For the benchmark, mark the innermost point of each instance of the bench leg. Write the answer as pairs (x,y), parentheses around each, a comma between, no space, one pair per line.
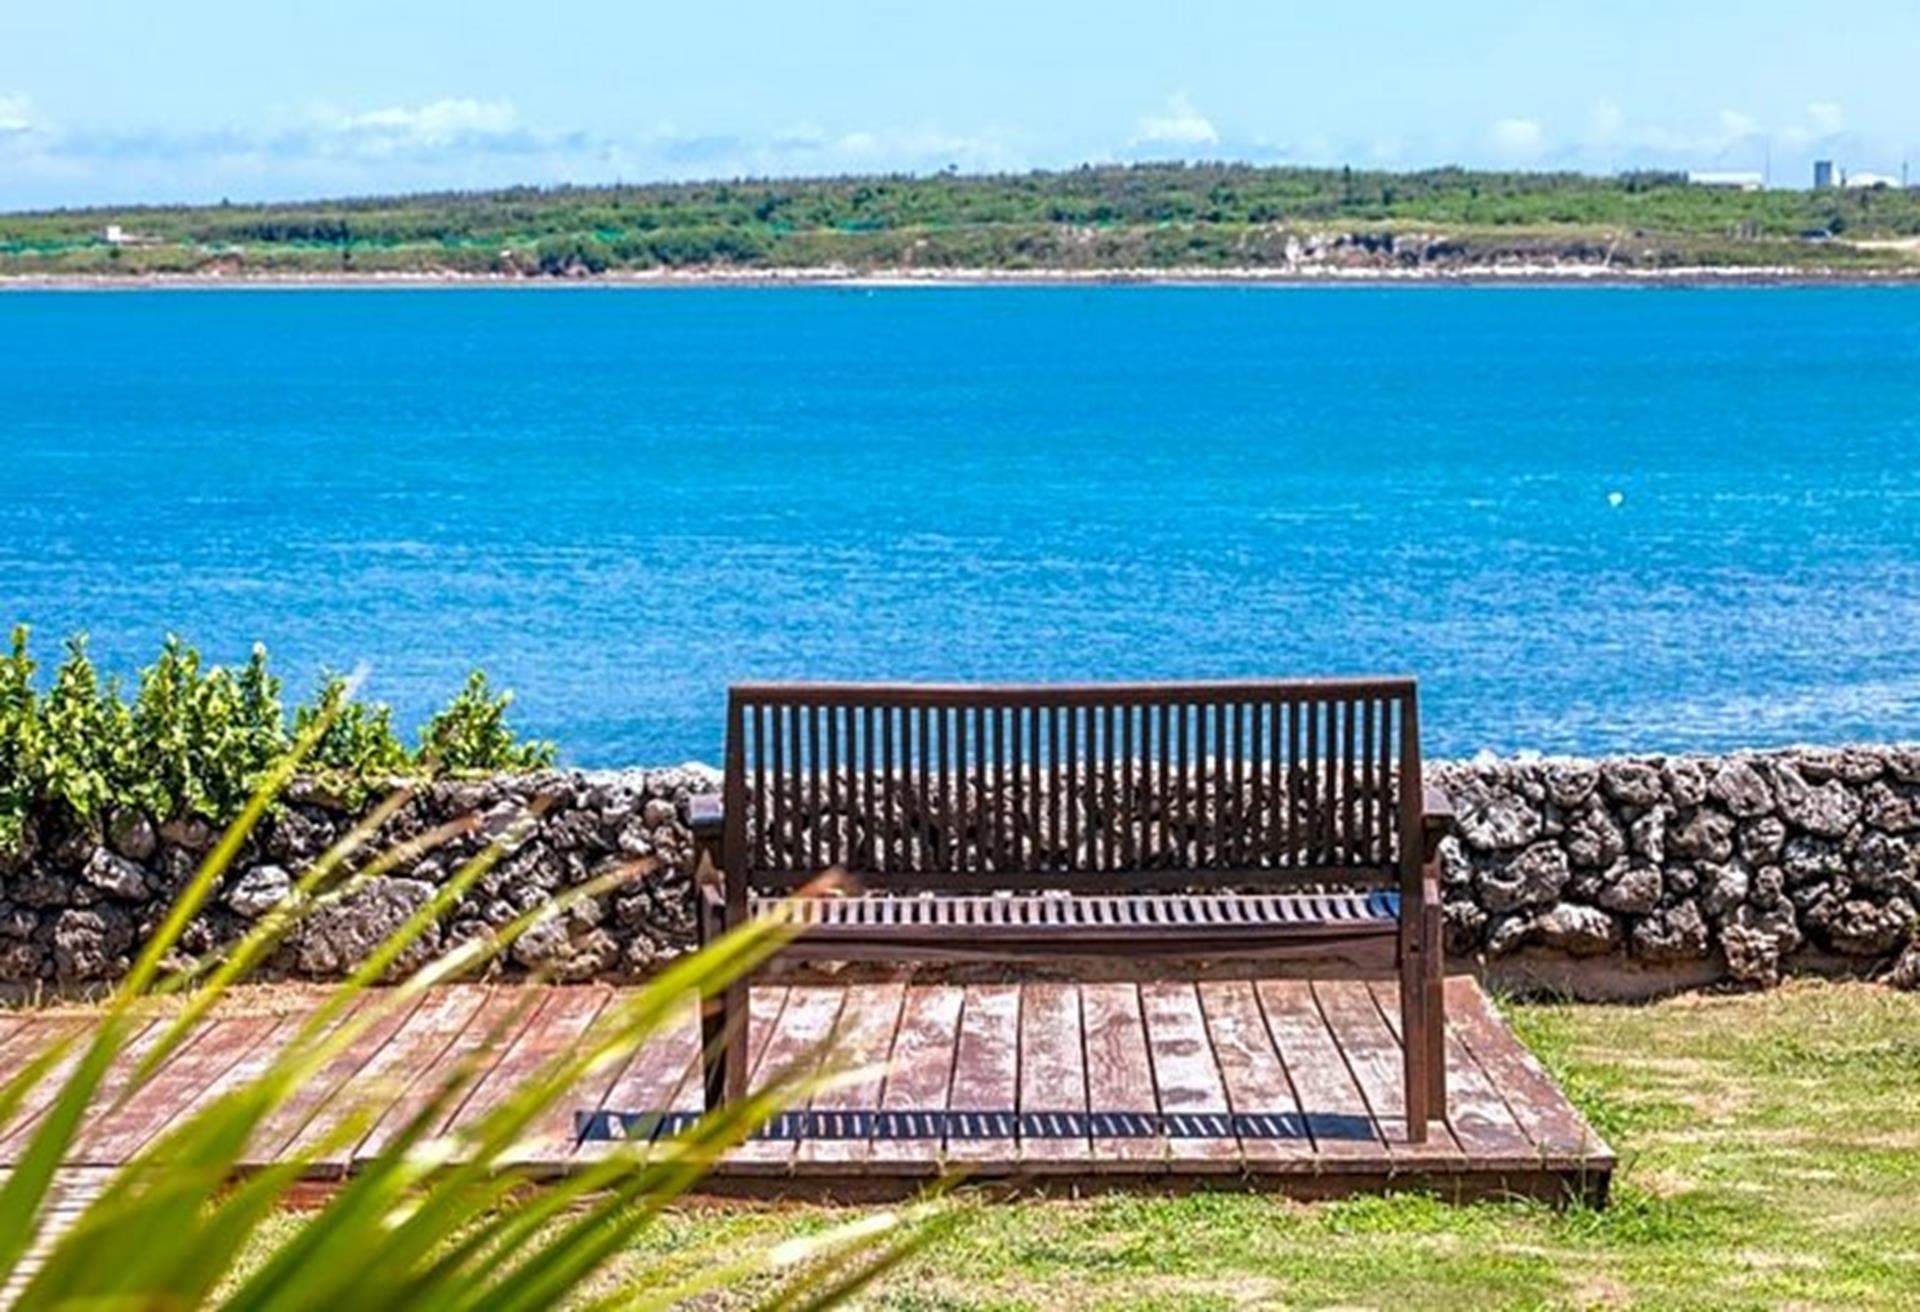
(713,1050)
(1414,1045)
(723,1052)
(1436,1009)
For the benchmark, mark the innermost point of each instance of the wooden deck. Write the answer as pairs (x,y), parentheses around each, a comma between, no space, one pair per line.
(1275,1084)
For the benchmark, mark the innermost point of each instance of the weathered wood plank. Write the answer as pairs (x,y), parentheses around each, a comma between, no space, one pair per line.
(1476,1113)
(1337,1117)
(503,1014)
(922,1070)
(563,1017)
(986,1071)
(1119,1077)
(1559,1133)
(1053,1072)
(114,1136)
(390,1070)
(649,1082)
(1375,1058)
(29,1041)
(1255,1078)
(1186,1076)
(862,1039)
(140,1040)
(795,1048)
(274,1139)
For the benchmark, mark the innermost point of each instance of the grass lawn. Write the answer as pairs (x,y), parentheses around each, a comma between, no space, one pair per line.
(1770,1148)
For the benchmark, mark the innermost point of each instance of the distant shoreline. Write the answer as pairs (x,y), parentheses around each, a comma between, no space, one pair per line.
(1481,276)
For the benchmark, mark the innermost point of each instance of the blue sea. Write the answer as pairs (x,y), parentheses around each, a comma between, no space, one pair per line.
(1588,519)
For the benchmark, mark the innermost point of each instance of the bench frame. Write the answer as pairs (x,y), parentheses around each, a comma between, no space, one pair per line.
(1403,839)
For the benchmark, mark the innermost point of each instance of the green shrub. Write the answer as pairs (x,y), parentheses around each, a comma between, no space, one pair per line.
(471,734)
(19,728)
(356,738)
(85,739)
(197,739)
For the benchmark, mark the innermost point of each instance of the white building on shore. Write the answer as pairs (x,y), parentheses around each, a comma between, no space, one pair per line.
(1730,179)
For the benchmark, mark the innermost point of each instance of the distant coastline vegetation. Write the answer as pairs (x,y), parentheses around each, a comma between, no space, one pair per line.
(1119,217)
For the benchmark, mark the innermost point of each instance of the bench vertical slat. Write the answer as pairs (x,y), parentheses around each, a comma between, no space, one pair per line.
(1348,757)
(1071,802)
(867,848)
(1330,799)
(1292,710)
(980,807)
(777,829)
(943,766)
(1366,848)
(1389,820)
(922,783)
(1002,858)
(835,855)
(810,776)
(1019,823)
(1219,772)
(1127,795)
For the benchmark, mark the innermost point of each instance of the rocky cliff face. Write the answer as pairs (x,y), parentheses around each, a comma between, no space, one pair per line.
(1731,866)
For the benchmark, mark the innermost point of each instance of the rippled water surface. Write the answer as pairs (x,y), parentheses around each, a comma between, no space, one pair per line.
(1588,519)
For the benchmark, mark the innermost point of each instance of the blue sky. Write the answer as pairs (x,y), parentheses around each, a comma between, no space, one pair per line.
(110,101)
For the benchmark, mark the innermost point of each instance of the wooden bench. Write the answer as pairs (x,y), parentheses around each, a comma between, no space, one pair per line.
(1052,822)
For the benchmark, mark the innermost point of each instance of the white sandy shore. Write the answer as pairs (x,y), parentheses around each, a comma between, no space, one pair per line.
(830,276)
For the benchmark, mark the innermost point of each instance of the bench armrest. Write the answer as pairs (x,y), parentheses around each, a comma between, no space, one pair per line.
(704,815)
(1436,819)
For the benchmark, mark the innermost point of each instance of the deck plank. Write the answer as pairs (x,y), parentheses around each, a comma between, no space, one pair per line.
(564,1016)
(279,1133)
(922,1071)
(1119,1076)
(1053,1070)
(1251,1069)
(141,1038)
(1476,1113)
(1186,1075)
(214,1048)
(390,1070)
(1326,1056)
(986,1071)
(1336,1113)
(869,1019)
(1374,1055)
(1560,1134)
(33,1038)
(796,1047)
(650,1081)
(491,1032)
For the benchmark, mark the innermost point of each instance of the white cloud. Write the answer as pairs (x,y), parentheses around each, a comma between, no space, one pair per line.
(1179,124)
(432,126)
(1605,122)
(1734,125)
(1519,140)
(16,114)
(1825,117)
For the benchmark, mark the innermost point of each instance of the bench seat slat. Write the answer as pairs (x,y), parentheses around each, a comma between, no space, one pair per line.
(1233,916)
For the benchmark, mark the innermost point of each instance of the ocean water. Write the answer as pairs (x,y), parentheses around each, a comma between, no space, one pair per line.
(1589,519)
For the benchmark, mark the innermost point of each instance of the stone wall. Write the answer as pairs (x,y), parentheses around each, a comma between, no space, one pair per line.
(1732,866)
(74,906)
(1682,868)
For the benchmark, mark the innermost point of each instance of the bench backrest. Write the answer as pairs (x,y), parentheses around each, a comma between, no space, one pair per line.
(1090,787)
